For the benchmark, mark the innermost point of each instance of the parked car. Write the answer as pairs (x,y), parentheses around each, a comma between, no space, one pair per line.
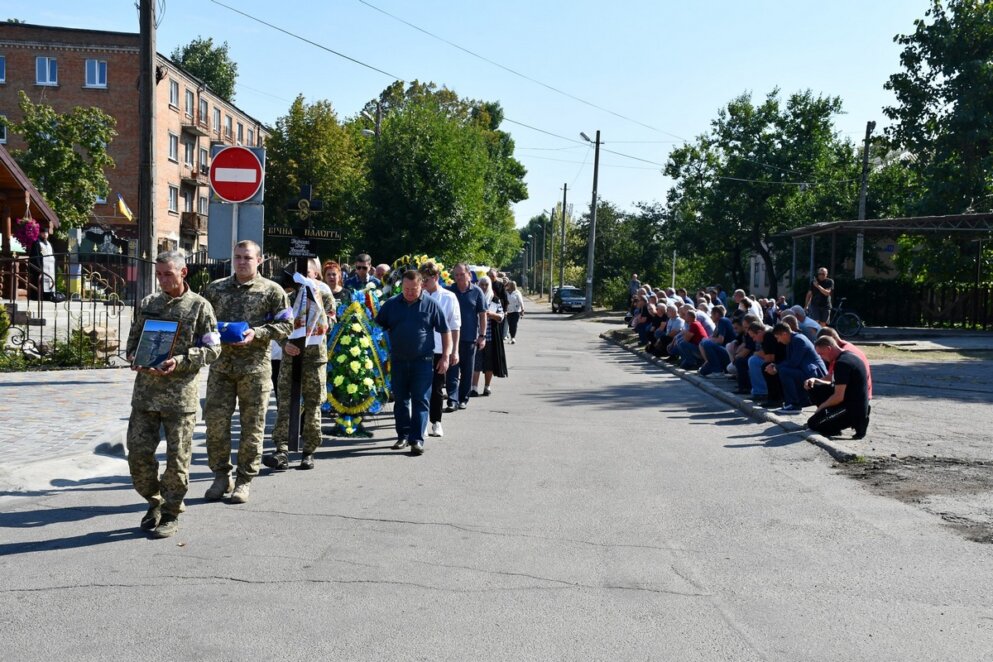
(568,298)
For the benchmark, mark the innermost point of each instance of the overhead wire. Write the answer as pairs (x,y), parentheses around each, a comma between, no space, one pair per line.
(506,119)
(518,73)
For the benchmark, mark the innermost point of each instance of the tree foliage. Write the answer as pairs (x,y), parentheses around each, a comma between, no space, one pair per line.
(310,146)
(211,64)
(65,157)
(442,177)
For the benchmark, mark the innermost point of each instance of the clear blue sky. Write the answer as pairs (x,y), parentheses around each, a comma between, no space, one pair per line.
(668,64)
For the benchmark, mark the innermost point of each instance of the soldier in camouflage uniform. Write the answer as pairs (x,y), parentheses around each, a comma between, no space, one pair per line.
(242,373)
(167,395)
(313,386)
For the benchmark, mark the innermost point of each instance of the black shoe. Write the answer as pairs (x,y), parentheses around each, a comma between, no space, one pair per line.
(450,407)
(307,461)
(278,461)
(151,518)
(417,448)
(400,444)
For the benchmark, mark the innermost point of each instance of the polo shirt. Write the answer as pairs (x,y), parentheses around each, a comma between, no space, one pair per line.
(699,333)
(471,303)
(411,326)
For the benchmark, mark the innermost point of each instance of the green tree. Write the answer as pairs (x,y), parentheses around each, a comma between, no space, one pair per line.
(309,145)
(65,157)
(943,113)
(442,176)
(762,169)
(211,64)
(943,122)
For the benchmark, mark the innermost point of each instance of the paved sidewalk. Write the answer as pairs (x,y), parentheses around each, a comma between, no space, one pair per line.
(62,413)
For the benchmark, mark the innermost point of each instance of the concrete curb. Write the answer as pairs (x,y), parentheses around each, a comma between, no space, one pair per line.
(838,451)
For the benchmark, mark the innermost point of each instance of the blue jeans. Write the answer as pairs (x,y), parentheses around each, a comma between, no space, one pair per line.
(755,368)
(792,380)
(690,355)
(717,357)
(412,393)
(458,380)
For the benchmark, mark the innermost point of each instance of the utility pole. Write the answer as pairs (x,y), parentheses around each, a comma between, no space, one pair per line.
(147,246)
(565,191)
(860,238)
(592,238)
(551,252)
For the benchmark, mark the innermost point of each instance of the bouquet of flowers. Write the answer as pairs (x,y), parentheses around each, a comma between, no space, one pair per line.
(26,231)
(406,262)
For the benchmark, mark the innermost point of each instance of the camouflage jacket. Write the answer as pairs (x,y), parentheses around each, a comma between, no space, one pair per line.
(260,302)
(197,344)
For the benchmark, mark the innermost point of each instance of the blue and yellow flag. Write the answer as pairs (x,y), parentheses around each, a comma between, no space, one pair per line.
(123,208)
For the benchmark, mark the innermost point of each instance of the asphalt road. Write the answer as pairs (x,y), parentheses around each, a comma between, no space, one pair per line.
(593,507)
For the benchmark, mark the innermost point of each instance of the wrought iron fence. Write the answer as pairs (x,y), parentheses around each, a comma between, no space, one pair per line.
(79,313)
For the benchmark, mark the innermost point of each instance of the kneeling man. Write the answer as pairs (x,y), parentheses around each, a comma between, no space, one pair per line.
(843,403)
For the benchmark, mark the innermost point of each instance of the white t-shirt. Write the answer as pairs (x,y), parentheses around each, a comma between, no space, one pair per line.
(515,302)
(453,316)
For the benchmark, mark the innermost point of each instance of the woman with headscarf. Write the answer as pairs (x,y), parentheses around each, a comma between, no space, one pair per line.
(492,361)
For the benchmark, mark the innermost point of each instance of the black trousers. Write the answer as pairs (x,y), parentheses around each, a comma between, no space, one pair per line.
(512,320)
(437,384)
(830,421)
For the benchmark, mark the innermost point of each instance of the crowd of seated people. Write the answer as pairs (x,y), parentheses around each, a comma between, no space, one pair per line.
(773,351)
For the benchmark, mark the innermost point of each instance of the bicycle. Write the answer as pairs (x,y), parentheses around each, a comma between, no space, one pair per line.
(847,323)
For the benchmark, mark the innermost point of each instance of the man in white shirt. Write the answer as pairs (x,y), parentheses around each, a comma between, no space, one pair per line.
(449,304)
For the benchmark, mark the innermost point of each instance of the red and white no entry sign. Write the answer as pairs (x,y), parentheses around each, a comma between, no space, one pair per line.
(235,174)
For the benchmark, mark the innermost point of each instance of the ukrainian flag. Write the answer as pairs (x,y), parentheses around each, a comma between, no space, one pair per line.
(123,208)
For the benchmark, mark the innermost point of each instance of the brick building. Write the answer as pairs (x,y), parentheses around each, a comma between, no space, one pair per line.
(66,67)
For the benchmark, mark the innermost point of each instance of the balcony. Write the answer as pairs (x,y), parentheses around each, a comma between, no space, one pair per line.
(199,125)
(191,176)
(191,222)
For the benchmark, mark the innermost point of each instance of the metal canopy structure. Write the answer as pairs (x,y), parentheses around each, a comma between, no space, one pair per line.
(962,224)
(976,223)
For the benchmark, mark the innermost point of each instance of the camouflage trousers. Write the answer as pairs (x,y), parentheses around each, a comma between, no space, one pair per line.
(143,440)
(251,394)
(314,389)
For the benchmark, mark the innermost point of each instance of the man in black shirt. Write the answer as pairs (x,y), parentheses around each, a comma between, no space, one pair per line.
(818,303)
(845,402)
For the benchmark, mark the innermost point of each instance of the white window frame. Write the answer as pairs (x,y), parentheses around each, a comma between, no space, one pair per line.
(3,68)
(174,93)
(173,147)
(189,102)
(173,199)
(203,205)
(241,133)
(228,126)
(204,162)
(99,66)
(189,152)
(251,137)
(51,66)
(203,112)
(3,132)
(217,121)
(188,197)
(100,200)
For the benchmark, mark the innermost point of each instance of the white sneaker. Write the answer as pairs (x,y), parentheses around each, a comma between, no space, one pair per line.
(436,430)
(513,341)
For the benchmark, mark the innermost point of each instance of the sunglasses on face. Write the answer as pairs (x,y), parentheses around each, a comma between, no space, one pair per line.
(361,268)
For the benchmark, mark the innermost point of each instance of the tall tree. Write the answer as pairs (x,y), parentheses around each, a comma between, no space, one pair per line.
(65,157)
(944,110)
(211,64)
(442,176)
(309,146)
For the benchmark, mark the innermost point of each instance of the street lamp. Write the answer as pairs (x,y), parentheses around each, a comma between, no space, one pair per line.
(592,239)
(524,267)
(531,263)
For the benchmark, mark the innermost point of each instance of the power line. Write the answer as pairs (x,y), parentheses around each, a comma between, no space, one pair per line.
(304,39)
(517,73)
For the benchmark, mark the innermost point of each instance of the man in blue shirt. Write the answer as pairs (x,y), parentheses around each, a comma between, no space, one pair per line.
(361,275)
(472,337)
(801,363)
(411,319)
